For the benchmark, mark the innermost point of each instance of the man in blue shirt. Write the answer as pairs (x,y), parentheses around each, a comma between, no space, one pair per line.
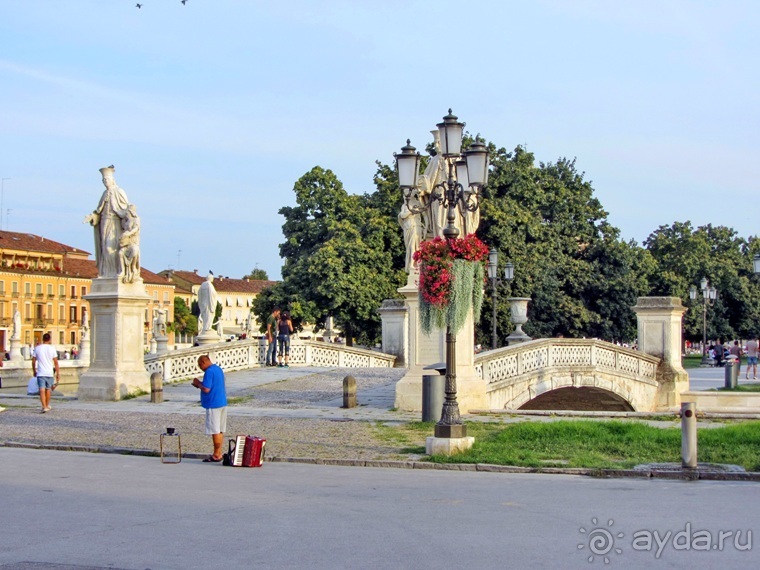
(214,400)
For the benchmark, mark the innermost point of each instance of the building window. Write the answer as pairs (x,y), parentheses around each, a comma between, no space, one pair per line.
(73,291)
(49,314)
(61,336)
(27,311)
(38,289)
(14,286)
(73,314)
(50,289)
(155,295)
(73,337)
(84,292)
(61,313)
(61,291)
(166,296)
(2,288)
(28,289)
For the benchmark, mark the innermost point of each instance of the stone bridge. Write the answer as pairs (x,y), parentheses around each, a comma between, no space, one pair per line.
(569,374)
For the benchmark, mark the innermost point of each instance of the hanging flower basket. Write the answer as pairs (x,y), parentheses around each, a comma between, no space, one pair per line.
(451,281)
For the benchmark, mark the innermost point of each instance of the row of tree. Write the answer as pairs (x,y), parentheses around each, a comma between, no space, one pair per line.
(344,253)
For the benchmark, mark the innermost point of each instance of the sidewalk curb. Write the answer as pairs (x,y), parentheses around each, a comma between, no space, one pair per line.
(683,474)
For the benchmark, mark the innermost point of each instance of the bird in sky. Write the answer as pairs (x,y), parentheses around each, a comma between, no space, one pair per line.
(184,2)
(138,5)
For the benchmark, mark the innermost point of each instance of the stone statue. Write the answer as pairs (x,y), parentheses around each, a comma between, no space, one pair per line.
(434,219)
(16,334)
(219,328)
(106,219)
(129,245)
(207,299)
(85,330)
(248,325)
(159,322)
(412,226)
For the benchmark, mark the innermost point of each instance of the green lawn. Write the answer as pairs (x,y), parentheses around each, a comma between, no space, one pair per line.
(603,444)
(742,388)
(691,361)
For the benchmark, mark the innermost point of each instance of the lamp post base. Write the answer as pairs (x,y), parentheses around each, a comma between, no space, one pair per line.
(450,431)
(447,445)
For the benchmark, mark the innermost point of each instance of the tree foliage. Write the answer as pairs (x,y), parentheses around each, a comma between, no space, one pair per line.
(257,274)
(184,321)
(340,258)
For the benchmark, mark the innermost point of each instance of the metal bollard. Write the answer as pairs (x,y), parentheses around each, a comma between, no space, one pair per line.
(156,388)
(689,435)
(349,392)
(731,375)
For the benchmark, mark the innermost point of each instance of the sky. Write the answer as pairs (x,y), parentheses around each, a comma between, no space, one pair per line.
(212,110)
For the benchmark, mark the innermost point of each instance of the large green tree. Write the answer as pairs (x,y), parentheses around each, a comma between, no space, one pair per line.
(340,258)
(685,255)
(184,321)
(581,277)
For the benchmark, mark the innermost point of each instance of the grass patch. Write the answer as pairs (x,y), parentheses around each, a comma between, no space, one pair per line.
(235,400)
(608,444)
(691,361)
(742,388)
(135,394)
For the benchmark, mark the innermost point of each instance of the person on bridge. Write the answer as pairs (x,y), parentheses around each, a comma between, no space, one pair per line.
(284,328)
(271,335)
(214,400)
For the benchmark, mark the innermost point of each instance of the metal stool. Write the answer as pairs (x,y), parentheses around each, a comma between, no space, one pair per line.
(171,433)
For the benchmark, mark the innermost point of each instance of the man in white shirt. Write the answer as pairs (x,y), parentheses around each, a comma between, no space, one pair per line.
(45,368)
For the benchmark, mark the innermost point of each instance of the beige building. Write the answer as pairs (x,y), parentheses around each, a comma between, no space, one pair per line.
(235,295)
(46,282)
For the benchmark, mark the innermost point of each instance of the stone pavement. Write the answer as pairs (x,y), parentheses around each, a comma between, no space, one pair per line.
(78,511)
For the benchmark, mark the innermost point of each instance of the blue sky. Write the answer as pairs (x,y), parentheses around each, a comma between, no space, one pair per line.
(212,110)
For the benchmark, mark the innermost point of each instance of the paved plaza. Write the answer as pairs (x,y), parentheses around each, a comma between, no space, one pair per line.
(83,510)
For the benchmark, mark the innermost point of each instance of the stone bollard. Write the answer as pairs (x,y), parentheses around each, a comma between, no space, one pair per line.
(689,435)
(156,388)
(349,392)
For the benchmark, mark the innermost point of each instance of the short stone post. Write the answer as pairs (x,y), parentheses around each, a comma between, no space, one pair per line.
(156,388)
(689,435)
(349,392)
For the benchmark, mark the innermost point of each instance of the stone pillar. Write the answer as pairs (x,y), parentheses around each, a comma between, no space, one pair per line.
(84,349)
(424,350)
(117,365)
(660,334)
(393,314)
(162,344)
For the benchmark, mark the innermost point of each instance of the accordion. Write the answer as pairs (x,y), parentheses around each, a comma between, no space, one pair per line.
(246,451)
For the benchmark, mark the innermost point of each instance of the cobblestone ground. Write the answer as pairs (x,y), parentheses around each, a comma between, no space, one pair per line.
(286,437)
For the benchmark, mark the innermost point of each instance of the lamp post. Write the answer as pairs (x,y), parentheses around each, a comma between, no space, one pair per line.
(493,276)
(709,294)
(471,167)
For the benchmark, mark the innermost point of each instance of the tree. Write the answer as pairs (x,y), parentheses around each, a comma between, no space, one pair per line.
(184,321)
(340,258)
(582,279)
(257,274)
(685,255)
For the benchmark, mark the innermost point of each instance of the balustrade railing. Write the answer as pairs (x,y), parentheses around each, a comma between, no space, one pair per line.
(242,354)
(505,364)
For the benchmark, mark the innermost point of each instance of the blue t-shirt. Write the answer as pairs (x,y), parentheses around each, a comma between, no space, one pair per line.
(213,379)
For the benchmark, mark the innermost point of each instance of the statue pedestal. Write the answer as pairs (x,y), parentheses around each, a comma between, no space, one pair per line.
(162,344)
(209,337)
(447,445)
(15,353)
(84,350)
(117,366)
(424,350)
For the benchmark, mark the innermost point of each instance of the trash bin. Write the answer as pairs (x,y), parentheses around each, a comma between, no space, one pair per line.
(433,394)
(731,376)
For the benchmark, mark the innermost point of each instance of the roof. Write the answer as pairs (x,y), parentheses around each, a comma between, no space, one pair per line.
(188,276)
(88,269)
(246,286)
(32,242)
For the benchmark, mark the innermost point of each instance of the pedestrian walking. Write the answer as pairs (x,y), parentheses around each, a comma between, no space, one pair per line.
(752,350)
(214,400)
(45,368)
(737,351)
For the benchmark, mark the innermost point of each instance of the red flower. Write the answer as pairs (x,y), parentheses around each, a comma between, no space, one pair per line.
(435,258)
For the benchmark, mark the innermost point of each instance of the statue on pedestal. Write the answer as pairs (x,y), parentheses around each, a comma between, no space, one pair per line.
(207,299)
(159,323)
(115,218)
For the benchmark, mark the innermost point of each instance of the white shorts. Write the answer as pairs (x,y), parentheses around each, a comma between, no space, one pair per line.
(216,420)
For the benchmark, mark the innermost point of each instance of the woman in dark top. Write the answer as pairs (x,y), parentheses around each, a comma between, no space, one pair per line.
(284,328)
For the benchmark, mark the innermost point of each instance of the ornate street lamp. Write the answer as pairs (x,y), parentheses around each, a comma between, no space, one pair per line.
(709,295)
(466,175)
(493,276)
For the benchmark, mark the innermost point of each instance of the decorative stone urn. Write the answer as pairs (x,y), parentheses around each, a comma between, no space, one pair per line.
(518,306)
